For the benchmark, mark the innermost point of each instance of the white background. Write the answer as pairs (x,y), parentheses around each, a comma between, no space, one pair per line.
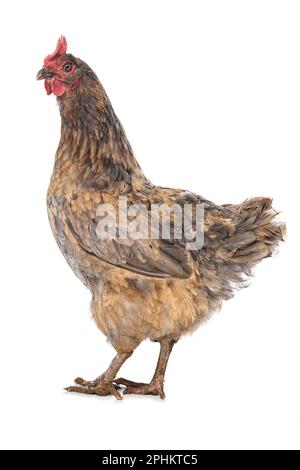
(208,92)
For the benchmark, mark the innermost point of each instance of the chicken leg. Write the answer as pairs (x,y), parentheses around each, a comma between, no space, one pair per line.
(156,386)
(104,384)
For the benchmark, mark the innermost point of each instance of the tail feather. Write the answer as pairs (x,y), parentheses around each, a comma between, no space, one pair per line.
(257,233)
(254,235)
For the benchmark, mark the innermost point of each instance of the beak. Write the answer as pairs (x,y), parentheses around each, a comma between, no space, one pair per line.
(44,73)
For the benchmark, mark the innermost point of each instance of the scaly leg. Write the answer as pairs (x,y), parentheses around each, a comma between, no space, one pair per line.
(156,386)
(103,385)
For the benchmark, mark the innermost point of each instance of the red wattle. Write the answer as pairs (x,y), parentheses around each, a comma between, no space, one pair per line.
(57,87)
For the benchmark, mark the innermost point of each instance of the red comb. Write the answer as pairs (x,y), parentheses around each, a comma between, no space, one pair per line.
(60,50)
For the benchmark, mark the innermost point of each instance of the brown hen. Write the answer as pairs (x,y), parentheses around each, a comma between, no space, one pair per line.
(156,287)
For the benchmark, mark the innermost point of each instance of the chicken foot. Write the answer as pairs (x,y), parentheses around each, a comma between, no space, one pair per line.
(104,384)
(156,386)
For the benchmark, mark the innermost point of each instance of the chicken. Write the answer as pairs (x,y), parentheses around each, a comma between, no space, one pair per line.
(156,287)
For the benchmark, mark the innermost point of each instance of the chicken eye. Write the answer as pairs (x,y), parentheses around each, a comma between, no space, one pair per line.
(67,67)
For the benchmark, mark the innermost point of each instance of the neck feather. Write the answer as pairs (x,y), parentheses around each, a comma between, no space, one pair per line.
(91,133)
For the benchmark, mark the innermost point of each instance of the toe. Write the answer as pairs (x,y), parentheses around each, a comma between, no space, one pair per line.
(79,389)
(116,394)
(102,389)
(80,381)
(128,383)
(154,388)
(87,383)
